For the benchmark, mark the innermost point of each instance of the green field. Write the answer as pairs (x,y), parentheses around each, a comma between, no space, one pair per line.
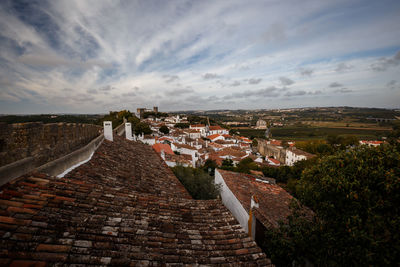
(310,133)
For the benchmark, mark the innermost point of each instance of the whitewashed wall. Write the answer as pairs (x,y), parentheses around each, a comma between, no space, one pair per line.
(231,202)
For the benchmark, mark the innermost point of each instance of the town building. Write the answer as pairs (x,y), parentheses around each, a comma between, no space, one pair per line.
(294,154)
(371,143)
(261,124)
(257,203)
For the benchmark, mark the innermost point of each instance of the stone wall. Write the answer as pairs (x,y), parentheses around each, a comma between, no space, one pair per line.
(44,142)
(268,150)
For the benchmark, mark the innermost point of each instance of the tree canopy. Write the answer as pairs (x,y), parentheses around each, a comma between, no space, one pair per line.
(142,127)
(355,196)
(164,129)
(197,182)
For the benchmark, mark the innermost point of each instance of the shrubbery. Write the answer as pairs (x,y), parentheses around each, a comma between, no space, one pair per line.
(197,182)
(355,198)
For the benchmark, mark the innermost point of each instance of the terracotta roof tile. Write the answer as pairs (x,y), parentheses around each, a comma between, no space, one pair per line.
(123,207)
(217,127)
(167,149)
(273,200)
(213,136)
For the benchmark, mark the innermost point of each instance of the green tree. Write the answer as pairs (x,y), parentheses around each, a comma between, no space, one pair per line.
(245,165)
(133,120)
(142,127)
(355,196)
(227,162)
(254,143)
(164,129)
(124,114)
(209,166)
(181,125)
(334,139)
(198,183)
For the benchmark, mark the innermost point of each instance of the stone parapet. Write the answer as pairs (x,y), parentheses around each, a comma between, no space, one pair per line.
(44,142)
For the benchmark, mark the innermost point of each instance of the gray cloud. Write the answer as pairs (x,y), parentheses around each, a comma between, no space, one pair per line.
(170,78)
(306,72)
(343,90)
(271,91)
(107,88)
(82,98)
(179,92)
(296,93)
(343,67)
(255,81)
(209,76)
(384,63)
(276,32)
(235,83)
(44,59)
(392,84)
(317,92)
(335,84)
(131,93)
(286,81)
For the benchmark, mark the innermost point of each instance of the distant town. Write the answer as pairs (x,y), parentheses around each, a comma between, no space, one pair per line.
(229,186)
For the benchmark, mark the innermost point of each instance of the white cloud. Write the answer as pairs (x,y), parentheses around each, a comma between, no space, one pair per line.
(207,48)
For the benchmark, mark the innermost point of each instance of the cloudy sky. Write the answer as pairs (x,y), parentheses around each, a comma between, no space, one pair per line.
(78,56)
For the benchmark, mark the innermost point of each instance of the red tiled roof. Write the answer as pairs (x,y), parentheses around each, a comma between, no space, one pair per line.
(217,127)
(213,136)
(227,136)
(301,152)
(179,158)
(213,144)
(167,149)
(165,138)
(275,142)
(185,146)
(275,161)
(191,131)
(371,142)
(273,200)
(245,139)
(123,207)
(197,125)
(223,142)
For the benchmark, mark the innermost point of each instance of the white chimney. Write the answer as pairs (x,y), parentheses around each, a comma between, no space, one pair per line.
(108,132)
(128,131)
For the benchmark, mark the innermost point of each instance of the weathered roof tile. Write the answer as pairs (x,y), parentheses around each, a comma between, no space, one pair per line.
(123,207)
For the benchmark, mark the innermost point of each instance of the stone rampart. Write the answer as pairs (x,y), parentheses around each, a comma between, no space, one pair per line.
(269,150)
(43,142)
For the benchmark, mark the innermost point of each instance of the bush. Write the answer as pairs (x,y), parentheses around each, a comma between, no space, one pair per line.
(198,183)
(142,127)
(164,129)
(355,197)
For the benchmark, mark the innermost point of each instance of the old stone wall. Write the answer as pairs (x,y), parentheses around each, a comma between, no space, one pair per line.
(268,150)
(44,142)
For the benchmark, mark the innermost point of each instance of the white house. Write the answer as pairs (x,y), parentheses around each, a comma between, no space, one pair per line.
(187,150)
(217,130)
(215,137)
(147,139)
(293,155)
(199,127)
(192,133)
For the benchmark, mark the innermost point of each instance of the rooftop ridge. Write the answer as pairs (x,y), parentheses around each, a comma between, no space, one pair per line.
(101,213)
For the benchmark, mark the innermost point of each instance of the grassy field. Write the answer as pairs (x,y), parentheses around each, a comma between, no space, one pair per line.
(311,133)
(348,124)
